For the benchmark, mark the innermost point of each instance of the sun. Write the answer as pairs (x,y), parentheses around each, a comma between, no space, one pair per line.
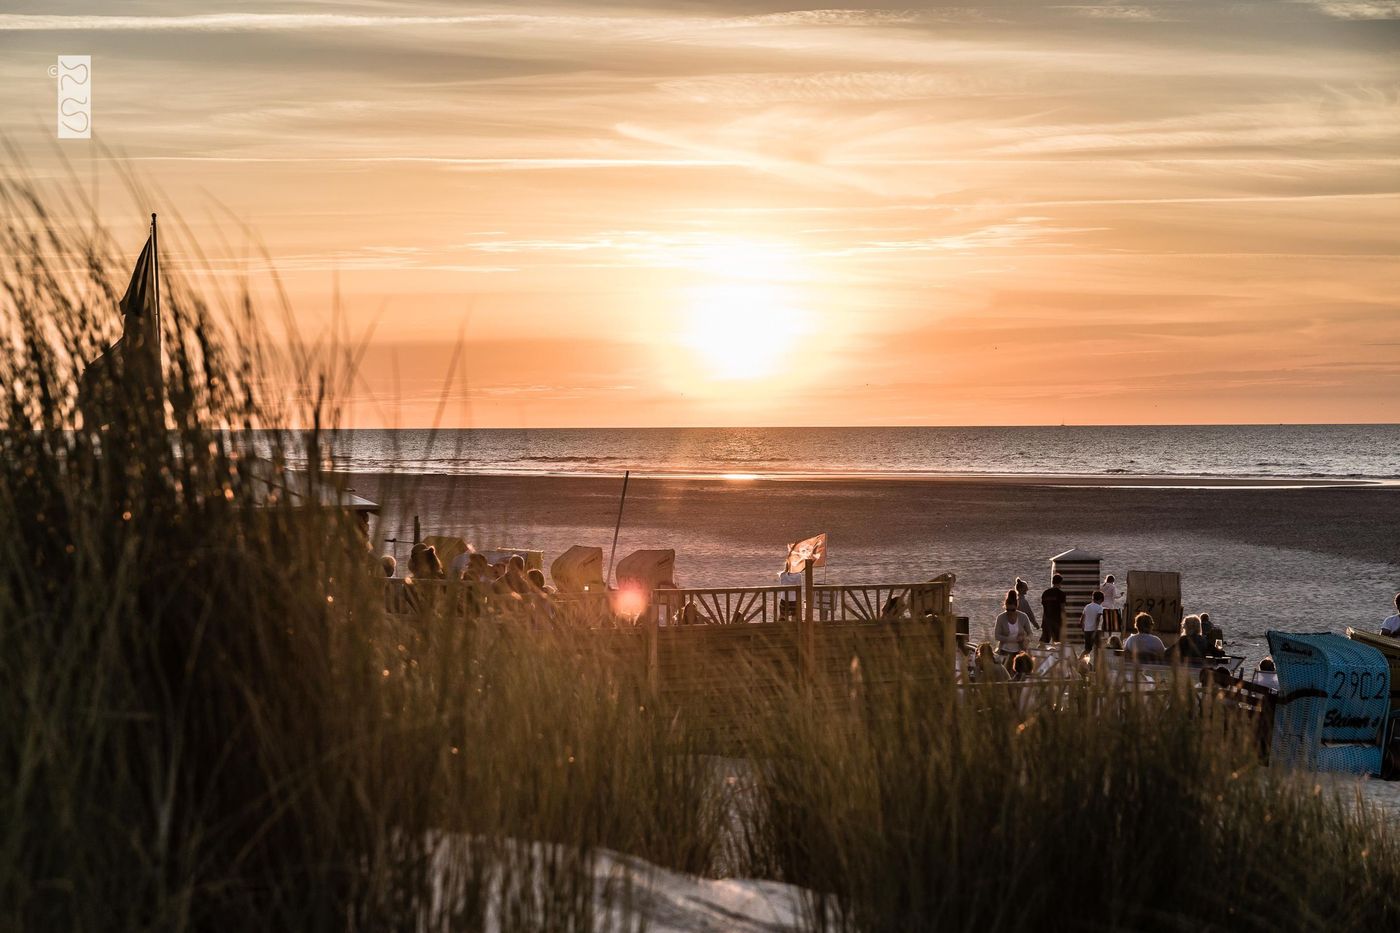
(742,330)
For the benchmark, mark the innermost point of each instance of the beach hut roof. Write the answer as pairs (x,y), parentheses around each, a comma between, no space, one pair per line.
(578,567)
(650,568)
(1077,554)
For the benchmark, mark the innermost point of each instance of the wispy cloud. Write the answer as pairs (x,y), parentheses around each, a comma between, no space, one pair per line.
(637,25)
(1117,11)
(1356,9)
(239,22)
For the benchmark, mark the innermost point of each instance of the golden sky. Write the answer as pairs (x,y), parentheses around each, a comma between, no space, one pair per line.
(710,214)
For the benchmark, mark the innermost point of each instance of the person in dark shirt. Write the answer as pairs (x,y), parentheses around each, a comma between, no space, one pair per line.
(1052,607)
(1214,637)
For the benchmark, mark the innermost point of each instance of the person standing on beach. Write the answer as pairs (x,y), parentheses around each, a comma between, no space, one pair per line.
(1024,604)
(1012,630)
(1391,626)
(1052,609)
(1112,615)
(1092,620)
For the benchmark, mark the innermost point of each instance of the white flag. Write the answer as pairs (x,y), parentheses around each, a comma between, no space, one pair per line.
(812,549)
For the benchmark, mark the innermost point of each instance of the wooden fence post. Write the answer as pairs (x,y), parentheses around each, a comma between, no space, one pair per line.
(807,633)
(653,651)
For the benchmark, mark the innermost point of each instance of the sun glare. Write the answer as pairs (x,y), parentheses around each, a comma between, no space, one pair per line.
(742,330)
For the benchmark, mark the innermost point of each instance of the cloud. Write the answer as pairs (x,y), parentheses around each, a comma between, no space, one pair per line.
(1357,9)
(638,26)
(238,22)
(757,88)
(1119,12)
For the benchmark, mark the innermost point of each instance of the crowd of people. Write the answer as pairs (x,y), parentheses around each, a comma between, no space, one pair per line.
(1007,656)
(508,580)
(1005,659)
(472,567)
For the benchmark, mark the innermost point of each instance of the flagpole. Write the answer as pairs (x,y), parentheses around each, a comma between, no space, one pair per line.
(155,257)
(618,528)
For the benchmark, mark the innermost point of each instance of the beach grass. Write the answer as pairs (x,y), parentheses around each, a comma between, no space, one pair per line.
(1056,806)
(212,723)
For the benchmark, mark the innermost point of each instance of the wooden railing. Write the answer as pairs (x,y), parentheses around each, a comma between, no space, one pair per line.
(882,602)
(740,605)
(831,602)
(726,606)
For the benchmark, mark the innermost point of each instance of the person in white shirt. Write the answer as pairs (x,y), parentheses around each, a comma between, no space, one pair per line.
(1012,630)
(1112,614)
(1145,647)
(1090,619)
(1391,626)
(1267,674)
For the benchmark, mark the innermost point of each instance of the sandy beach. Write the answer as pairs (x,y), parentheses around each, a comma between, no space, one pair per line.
(1272,555)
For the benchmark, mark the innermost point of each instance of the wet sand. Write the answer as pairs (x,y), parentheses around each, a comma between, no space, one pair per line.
(1295,555)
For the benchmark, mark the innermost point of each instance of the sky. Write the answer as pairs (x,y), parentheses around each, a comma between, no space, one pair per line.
(1170,211)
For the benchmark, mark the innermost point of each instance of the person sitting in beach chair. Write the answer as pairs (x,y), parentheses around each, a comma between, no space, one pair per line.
(891,611)
(1143,646)
(1391,626)
(1012,630)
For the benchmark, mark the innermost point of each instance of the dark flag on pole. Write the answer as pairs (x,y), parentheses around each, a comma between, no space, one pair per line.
(125,384)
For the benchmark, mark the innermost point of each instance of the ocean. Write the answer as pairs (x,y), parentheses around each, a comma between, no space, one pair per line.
(1304,451)
(1300,558)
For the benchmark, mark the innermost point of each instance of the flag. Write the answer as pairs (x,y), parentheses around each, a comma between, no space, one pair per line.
(812,549)
(125,382)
